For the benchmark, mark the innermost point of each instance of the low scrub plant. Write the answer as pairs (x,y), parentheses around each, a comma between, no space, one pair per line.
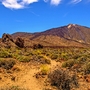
(7,64)
(86,68)
(54,56)
(13,88)
(82,60)
(63,79)
(68,63)
(47,61)
(23,58)
(64,56)
(44,69)
(5,54)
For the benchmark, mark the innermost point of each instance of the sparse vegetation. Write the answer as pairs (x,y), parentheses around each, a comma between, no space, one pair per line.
(47,61)
(54,56)
(44,69)
(13,88)
(7,64)
(5,54)
(73,61)
(68,63)
(37,46)
(63,79)
(23,58)
(56,59)
(87,68)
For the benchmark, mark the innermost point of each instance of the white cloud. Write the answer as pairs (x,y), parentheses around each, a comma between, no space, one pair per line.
(29,1)
(12,4)
(75,1)
(55,2)
(17,4)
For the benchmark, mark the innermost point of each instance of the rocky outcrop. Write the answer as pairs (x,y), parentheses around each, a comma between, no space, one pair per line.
(19,42)
(7,38)
(8,41)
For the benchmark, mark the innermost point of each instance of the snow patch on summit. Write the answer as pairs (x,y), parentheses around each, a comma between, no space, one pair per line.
(70,25)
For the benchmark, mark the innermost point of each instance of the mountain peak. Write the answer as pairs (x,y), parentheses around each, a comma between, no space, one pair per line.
(70,35)
(71,25)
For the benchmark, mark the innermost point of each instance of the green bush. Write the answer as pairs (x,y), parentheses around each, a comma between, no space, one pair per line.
(76,56)
(23,58)
(82,59)
(54,56)
(14,55)
(64,56)
(5,54)
(68,63)
(87,68)
(44,69)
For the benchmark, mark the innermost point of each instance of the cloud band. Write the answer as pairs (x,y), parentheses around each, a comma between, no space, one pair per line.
(17,4)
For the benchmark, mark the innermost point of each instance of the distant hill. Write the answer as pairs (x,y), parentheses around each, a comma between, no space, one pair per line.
(70,35)
(21,34)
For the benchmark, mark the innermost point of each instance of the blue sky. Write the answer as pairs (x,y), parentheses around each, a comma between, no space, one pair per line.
(40,15)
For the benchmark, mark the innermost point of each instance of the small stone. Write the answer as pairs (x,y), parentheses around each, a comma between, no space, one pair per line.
(13,78)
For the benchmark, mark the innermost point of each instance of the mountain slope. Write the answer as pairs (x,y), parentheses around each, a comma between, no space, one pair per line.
(70,35)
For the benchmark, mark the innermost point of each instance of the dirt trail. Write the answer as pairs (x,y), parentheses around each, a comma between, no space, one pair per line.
(28,80)
(53,62)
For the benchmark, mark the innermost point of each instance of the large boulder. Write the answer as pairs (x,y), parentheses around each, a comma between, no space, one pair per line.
(19,42)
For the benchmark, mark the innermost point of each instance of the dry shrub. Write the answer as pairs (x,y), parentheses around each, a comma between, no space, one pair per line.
(5,54)
(47,61)
(86,68)
(23,58)
(7,64)
(54,56)
(63,79)
(12,88)
(37,46)
(68,63)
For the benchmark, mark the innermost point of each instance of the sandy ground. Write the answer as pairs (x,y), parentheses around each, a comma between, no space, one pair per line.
(25,77)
